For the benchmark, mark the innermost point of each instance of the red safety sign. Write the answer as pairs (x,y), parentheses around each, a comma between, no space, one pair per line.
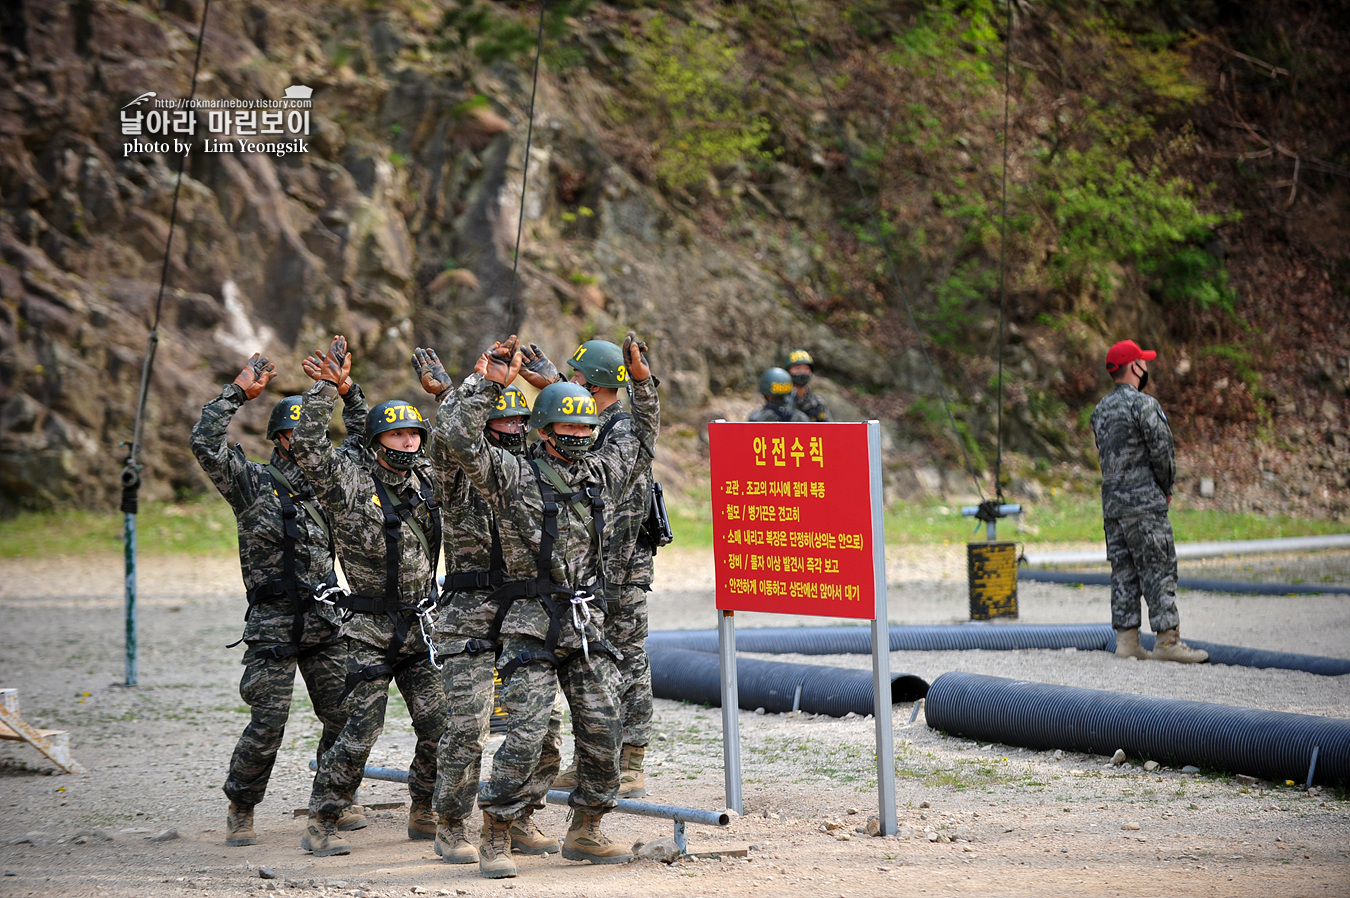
(792,518)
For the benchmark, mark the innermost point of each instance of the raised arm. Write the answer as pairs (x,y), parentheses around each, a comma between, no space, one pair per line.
(227,467)
(311,446)
(459,428)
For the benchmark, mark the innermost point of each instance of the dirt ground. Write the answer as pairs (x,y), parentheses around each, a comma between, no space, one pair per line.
(975,819)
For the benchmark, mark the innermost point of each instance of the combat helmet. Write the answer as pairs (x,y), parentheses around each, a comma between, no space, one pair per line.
(799,357)
(601,363)
(775,384)
(284,416)
(395,414)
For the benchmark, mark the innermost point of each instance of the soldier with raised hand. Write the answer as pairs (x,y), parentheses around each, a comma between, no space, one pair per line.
(386,524)
(1134,445)
(550,507)
(775,385)
(800,366)
(465,642)
(286,557)
(598,366)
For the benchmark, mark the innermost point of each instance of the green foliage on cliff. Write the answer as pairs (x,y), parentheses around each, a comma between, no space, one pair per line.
(686,82)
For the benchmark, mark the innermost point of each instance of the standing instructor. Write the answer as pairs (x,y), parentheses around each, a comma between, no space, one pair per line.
(1134,444)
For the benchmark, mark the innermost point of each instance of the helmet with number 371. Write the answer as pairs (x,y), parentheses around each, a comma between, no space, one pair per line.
(601,363)
(285,415)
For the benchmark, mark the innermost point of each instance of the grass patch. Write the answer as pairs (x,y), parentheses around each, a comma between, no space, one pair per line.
(199,527)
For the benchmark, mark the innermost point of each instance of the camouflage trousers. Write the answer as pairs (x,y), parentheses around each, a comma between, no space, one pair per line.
(591,688)
(343,765)
(266,688)
(468,681)
(626,631)
(1143,562)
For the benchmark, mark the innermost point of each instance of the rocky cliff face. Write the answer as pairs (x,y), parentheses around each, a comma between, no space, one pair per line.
(396,226)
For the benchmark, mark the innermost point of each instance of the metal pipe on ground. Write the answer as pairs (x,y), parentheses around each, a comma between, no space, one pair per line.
(1272,745)
(1083,578)
(844,640)
(775,686)
(556,796)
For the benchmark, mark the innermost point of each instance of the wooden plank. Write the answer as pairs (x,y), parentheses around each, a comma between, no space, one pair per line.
(55,744)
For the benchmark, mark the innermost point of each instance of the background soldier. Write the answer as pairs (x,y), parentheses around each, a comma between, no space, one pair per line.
(1138,463)
(286,555)
(465,637)
(598,366)
(547,506)
(386,524)
(775,385)
(800,366)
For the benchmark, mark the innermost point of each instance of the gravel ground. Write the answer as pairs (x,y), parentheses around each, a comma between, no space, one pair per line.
(988,819)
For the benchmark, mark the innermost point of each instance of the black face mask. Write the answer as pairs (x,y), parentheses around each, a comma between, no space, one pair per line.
(801,380)
(573,448)
(397,458)
(1143,380)
(511,442)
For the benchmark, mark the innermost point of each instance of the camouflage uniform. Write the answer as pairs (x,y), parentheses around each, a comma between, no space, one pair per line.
(591,686)
(270,628)
(1138,463)
(347,489)
(812,406)
(463,629)
(628,571)
(779,411)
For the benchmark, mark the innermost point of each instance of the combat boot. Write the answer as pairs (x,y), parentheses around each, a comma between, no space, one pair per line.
(421,821)
(528,838)
(452,842)
(239,826)
(567,780)
(321,837)
(587,842)
(632,781)
(1127,645)
(353,817)
(1170,648)
(494,848)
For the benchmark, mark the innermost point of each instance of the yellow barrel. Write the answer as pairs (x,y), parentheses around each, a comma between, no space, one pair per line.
(992,569)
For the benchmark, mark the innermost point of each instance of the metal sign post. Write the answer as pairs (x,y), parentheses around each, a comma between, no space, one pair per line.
(731,721)
(797,529)
(881,646)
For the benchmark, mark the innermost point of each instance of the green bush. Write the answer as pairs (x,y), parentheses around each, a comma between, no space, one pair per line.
(687,92)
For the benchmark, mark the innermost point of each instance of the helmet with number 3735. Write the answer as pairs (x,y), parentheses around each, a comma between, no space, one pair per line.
(394,415)
(285,415)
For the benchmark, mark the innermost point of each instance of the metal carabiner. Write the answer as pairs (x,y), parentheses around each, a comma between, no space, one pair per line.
(324,596)
(426,614)
(580,619)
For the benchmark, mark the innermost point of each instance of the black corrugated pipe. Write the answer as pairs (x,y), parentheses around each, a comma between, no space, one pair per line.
(845,640)
(1080,578)
(773,685)
(1273,745)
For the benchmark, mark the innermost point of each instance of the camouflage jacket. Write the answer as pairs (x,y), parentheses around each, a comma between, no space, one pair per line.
(469,522)
(626,562)
(779,411)
(812,406)
(345,484)
(248,488)
(508,483)
(1134,444)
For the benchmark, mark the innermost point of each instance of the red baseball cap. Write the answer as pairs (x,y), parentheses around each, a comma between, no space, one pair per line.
(1124,352)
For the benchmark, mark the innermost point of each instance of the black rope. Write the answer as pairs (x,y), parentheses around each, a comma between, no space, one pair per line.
(1003,253)
(131,474)
(525,174)
(881,242)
